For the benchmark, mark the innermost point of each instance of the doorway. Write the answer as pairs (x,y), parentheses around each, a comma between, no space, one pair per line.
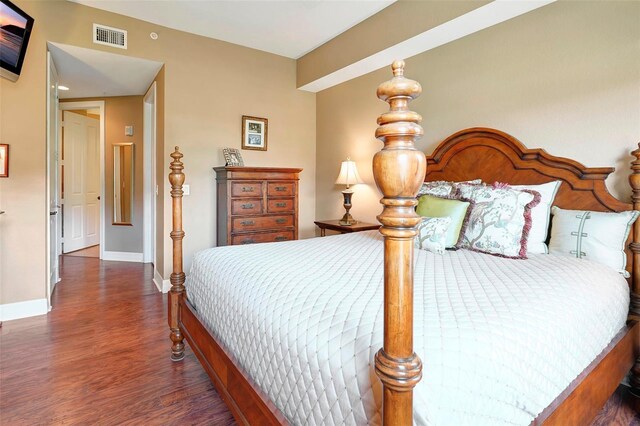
(81,176)
(106,113)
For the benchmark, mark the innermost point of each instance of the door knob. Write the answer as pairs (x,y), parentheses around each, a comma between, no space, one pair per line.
(98,197)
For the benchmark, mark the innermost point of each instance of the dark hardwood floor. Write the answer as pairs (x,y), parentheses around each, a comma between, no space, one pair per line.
(101,357)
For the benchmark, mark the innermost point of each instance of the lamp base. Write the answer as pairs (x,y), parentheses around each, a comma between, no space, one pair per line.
(347,220)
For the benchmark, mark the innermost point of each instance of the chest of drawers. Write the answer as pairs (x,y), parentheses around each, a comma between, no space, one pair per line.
(256,204)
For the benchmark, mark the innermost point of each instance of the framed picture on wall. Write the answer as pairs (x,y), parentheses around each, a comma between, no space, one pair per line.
(255,131)
(232,157)
(4,160)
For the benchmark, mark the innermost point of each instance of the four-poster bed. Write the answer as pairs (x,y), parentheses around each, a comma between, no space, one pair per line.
(399,170)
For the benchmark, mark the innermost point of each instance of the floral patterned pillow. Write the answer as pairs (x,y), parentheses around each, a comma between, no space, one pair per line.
(432,232)
(500,220)
(442,188)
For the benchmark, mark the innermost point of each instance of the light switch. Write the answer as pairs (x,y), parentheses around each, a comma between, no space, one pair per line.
(128,130)
(186,189)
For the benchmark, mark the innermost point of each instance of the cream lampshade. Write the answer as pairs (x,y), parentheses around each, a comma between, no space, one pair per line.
(348,176)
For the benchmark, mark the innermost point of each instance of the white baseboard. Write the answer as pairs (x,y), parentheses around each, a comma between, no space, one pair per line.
(122,256)
(163,285)
(29,308)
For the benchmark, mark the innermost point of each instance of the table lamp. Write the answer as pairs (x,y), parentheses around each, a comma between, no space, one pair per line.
(348,176)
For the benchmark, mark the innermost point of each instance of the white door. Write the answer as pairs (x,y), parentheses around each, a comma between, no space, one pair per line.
(52,165)
(81,181)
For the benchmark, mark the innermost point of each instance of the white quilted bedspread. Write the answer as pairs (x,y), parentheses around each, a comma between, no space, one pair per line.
(499,338)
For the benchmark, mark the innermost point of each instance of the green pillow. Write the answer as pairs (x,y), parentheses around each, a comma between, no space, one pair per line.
(430,206)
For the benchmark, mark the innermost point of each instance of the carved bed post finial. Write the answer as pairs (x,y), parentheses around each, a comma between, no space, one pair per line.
(399,170)
(176,178)
(634,308)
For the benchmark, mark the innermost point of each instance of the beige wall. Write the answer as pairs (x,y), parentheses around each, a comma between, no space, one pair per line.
(379,32)
(565,78)
(209,85)
(122,111)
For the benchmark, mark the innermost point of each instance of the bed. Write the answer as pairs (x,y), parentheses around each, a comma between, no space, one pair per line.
(267,363)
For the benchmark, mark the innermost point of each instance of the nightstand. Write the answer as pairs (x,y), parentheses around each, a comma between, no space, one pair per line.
(334,225)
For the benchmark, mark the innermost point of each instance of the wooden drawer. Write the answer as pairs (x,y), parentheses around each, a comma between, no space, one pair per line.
(266,237)
(279,206)
(246,189)
(240,224)
(246,206)
(280,189)
(256,204)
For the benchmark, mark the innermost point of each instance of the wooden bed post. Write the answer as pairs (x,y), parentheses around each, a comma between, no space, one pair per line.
(634,180)
(399,170)
(176,178)
(634,308)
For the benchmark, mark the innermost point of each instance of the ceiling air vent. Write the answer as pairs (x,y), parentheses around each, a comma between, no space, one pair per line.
(109,36)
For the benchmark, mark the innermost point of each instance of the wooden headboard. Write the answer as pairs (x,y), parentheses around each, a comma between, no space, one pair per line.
(495,156)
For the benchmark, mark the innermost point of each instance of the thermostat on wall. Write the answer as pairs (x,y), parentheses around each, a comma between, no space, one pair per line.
(128,130)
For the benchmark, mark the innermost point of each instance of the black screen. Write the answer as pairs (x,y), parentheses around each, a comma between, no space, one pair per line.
(15,29)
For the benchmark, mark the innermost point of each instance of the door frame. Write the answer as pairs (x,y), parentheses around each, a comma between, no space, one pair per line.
(52,121)
(64,106)
(149,176)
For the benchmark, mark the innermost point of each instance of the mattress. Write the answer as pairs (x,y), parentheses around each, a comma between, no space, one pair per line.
(499,338)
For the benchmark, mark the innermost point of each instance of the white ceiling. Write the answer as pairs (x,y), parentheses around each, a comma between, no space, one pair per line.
(288,28)
(92,73)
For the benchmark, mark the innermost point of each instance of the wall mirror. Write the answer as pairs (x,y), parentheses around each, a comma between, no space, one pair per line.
(123,168)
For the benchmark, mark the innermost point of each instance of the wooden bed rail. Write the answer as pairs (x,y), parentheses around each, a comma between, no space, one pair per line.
(176,178)
(399,170)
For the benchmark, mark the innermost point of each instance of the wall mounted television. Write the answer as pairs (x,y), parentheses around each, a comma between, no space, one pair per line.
(15,30)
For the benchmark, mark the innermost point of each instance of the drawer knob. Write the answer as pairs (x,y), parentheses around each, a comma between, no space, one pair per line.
(247,189)
(281,204)
(280,221)
(247,242)
(247,223)
(281,238)
(281,188)
(247,206)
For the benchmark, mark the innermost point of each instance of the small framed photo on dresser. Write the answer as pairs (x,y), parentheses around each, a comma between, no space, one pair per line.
(255,131)
(232,157)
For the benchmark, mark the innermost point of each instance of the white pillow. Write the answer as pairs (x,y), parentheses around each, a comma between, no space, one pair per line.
(597,236)
(432,232)
(540,215)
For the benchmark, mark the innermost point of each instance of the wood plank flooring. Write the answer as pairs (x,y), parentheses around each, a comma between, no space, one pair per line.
(93,251)
(101,357)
